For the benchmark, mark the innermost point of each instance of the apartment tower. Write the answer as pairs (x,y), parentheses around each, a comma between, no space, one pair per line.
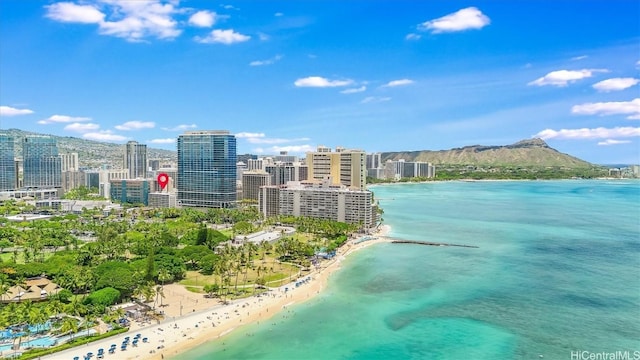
(207,169)
(135,160)
(42,167)
(7,163)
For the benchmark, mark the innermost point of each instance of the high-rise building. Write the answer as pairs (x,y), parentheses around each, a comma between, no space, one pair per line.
(344,167)
(42,167)
(69,162)
(319,200)
(130,191)
(374,161)
(7,163)
(207,169)
(135,160)
(282,173)
(251,183)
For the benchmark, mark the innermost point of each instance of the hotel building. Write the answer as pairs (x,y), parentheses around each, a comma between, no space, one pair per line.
(135,160)
(207,169)
(345,167)
(8,173)
(42,167)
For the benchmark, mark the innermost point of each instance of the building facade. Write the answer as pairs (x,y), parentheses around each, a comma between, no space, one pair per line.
(8,167)
(42,167)
(325,201)
(344,166)
(251,183)
(133,191)
(69,162)
(135,160)
(207,169)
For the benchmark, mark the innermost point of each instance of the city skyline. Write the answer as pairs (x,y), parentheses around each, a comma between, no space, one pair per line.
(376,76)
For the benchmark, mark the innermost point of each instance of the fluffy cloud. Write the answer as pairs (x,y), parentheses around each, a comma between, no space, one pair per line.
(564,77)
(613,142)
(10,111)
(63,119)
(374,99)
(203,18)
(226,37)
(81,127)
(464,19)
(70,12)
(136,125)
(182,127)
(162,141)
(265,62)
(400,82)
(413,36)
(615,84)
(105,135)
(630,108)
(354,90)
(318,81)
(130,20)
(585,133)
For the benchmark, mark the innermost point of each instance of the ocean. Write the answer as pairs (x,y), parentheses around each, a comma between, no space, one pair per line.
(556,275)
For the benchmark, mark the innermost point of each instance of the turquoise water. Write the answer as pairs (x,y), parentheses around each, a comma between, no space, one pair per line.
(557,270)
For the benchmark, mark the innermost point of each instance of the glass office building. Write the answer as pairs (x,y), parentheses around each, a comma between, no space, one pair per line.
(207,169)
(135,160)
(42,167)
(7,163)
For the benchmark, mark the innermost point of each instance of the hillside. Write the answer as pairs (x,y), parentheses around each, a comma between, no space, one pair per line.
(525,153)
(90,153)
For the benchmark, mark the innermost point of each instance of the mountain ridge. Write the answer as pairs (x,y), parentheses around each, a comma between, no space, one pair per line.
(528,152)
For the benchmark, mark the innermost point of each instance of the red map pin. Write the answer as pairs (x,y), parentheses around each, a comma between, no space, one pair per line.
(163,180)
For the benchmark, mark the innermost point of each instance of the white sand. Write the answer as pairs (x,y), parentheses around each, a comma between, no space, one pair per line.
(176,334)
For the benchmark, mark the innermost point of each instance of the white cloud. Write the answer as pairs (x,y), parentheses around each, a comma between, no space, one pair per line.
(73,13)
(278,14)
(230,7)
(105,135)
(226,37)
(464,19)
(63,119)
(413,36)
(581,57)
(248,135)
(265,62)
(263,37)
(374,99)
(203,18)
(585,133)
(81,127)
(615,84)
(631,108)
(318,81)
(162,141)
(182,127)
(10,111)
(613,142)
(130,20)
(564,77)
(638,64)
(354,90)
(136,125)
(400,82)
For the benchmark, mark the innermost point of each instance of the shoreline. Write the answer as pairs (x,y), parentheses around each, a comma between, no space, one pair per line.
(178,334)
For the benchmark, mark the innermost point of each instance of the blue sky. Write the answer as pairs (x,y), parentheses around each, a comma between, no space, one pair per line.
(291,75)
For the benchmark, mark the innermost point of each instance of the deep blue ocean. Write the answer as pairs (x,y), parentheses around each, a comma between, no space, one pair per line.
(557,269)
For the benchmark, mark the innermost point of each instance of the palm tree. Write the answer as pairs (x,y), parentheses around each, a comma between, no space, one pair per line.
(69,325)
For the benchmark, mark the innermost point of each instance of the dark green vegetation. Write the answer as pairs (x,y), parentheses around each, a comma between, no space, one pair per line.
(101,259)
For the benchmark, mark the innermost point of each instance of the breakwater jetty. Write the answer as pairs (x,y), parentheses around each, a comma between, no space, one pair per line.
(429,243)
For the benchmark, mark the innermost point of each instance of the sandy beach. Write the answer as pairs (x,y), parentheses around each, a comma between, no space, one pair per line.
(205,319)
